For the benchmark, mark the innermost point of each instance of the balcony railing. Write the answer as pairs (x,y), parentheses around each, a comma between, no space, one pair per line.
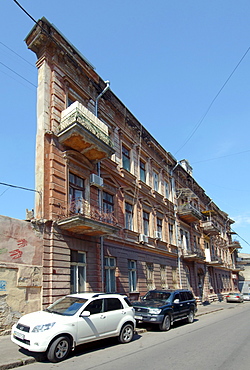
(83,131)
(235,244)
(193,254)
(81,217)
(210,228)
(189,213)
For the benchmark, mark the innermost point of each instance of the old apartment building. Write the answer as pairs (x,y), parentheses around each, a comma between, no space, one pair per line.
(117,212)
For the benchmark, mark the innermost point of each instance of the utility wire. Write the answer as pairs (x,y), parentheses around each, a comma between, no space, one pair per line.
(212,102)
(223,156)
(48,34)
(241,237)
(25,79)
(19,187)
(7,47)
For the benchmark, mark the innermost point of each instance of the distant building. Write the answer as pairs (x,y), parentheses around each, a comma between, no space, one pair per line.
(243,262)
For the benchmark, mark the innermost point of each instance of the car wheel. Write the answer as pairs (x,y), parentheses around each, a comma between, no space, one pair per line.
(59,349)
(126,333)
(166,323)
(190,317)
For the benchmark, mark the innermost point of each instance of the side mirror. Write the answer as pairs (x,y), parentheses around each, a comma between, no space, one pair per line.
(85,314)
(176,300)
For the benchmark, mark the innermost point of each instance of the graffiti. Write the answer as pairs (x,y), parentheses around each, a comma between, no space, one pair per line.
(17,253)
(3,284)
(22,243)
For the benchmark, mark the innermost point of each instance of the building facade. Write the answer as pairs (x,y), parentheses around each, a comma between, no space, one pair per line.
(120,213)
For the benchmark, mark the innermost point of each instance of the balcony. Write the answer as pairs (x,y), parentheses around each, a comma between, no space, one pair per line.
(234,244)
(215,261)
(193,255)
(83,218)
(82,131)
(188,213)
(210,228)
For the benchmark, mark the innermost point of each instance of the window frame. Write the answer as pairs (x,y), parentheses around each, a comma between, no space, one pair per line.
(75,266)
(132,273)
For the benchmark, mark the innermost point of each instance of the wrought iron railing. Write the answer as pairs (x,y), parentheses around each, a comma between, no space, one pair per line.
(83,208)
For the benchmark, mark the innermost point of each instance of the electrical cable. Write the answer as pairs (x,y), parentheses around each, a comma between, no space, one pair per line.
(241,237)
(212,102)
(223,156)
(25,79)
(19,187)
(7,47)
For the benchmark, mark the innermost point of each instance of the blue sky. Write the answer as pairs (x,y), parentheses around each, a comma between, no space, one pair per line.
(181,67)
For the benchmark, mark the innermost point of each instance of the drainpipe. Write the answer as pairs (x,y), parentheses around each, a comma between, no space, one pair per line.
(99,192)
(175,225)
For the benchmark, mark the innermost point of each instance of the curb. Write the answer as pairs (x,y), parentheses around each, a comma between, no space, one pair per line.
(18,363)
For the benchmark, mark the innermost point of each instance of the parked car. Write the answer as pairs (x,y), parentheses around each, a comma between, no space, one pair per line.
(73,320)
(164,307)
(235,297)
(246,296)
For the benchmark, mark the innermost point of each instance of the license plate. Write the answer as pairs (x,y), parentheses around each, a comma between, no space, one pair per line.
(18,335)
(138,317)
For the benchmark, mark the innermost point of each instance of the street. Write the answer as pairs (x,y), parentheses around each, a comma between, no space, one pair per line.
(215,341)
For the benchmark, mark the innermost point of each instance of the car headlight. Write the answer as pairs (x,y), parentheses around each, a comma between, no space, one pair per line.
(40,328)
(154,311)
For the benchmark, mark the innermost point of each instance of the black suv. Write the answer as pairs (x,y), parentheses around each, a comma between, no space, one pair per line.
(164,307)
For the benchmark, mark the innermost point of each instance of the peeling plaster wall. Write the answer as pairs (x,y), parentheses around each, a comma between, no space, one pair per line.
(21,251)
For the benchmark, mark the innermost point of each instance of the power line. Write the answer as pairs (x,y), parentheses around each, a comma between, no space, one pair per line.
(7,47)
(241,237)
(25,79)
(212,102)
(49,35)
(223,156)
(19,187)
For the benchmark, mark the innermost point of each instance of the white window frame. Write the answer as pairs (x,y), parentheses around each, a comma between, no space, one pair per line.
(110,279)
(132,275)
(75,267)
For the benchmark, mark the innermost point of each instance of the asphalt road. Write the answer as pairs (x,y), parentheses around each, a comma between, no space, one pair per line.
(219,340)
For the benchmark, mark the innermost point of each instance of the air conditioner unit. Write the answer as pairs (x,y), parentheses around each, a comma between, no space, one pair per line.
(143,239)
(158,235)
(96,180)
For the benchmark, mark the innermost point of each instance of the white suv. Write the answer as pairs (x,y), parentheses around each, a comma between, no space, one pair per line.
(73,320)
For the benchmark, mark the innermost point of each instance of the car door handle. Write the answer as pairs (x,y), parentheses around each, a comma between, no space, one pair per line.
(124,312)
(181,304)
(102,317)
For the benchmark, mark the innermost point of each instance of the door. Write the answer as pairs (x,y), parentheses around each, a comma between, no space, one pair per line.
(94,326)
(115,313)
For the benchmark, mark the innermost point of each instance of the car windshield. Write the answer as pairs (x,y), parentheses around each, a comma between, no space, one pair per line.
(157,296)
(66,306)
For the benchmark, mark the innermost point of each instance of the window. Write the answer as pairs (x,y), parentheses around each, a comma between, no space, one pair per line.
(95,306)
(128,216)
(76,193)
(132,275)
(145,223)
(142,171)
(110,265)
(112,304)
(70,101)
(108,203)
(166,186)
(155,181)
(171,233)
(125,158)
(77,272)
(159,225)
(174,277)
(163,276)
(150,276)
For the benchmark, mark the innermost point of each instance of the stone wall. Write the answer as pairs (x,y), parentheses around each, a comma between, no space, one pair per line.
(21,251)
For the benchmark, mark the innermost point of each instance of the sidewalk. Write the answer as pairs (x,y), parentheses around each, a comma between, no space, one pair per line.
(12,356)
